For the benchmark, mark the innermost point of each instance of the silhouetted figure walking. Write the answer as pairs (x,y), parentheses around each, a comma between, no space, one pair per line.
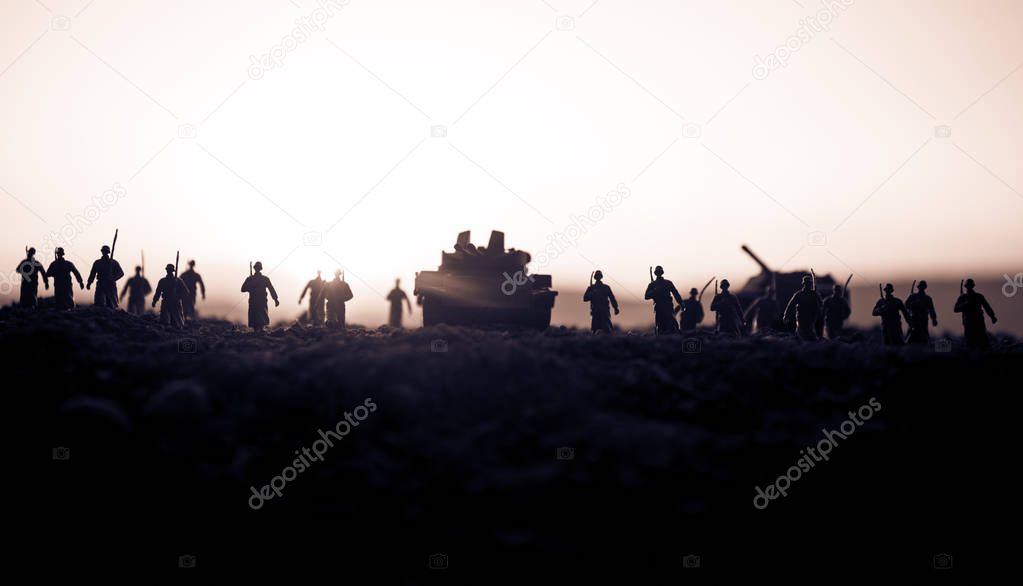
(256,286)
(921,308)
(191,279)
(973,306)
(105,271)
(173,292)
(137,288)
(728,310)
(764,314)
(316,299)
(692,311)
(836,311)
(60,271)
(803,310)
(30,269)
(662,290)
(338,293)
(395,297)
(601,300)
(891,310)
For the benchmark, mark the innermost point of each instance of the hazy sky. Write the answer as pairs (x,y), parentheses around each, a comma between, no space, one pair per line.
(828,152)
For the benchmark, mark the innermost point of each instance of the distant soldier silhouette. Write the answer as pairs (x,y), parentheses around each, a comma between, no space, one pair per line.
(836,311)
(662,290)
(105,271)
(173,292)
(973,306)
(337,293)
(920,307)
(891,310)
(728,310)
(137,288)
(395,297)
(764,314)
(316,299)
(803,310)
(256,286)
(60,271)
(30,269)
(601,300)
(191,279)
(691,312)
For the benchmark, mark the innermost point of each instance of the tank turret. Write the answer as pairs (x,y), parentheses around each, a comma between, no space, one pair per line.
(484,286)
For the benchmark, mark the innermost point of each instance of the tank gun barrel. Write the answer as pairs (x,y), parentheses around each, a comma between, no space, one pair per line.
(763,266)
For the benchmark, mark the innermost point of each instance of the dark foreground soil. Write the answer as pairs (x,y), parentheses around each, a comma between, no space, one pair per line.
(167,433)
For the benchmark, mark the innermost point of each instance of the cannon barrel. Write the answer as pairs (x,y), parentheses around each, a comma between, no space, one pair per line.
(756,258)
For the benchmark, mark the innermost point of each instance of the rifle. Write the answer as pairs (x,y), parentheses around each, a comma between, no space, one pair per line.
(961,286)
(700,297)
(250,268)
(591,278)
(715,287)
(113,244)
(813,277)
(177,257)
(880,290)
(847,282)
(651,274)
(143,265)
(912,287)
(342,276)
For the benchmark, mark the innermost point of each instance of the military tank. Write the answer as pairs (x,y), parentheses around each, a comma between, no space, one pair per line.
(484,286)
(786,283)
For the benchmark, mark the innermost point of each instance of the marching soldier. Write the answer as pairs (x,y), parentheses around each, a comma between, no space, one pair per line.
(60,271)
(105,271)
(256,286)
(173,292)
(691,312)
(30,269)
(891,311)
(337,293)
(316,299)
(836,311)
(921,307)
(803,310)
(661,291)
(137,288)
(395,297)
(191,279)
(765,313)
(601,300)
(729,311)
(973,306)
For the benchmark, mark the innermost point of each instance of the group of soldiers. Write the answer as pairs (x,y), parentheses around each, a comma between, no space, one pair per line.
(179,293)
(807,314)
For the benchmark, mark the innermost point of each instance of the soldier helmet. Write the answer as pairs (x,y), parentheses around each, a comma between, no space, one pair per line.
(191,263)
(598,275)
(31,251)
(138,269)
(170,268)
(837,291)
(970,284)
(889,288)
(693,291)
(105,249)
(807,280)
(258,266)
(725,284)
(658,270)
(337,272)
(59,251)
(922,285)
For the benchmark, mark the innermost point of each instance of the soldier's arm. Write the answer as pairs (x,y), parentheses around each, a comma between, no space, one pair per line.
(649,292)
(304,289)
(273,292)
(78,276)
(960,302)
(202,286)
(611,296)
(92,274)
(930,310)
(159,292)
(674,292)
(586,294)
(245,285)
(407,302)
(124,290)
(987,309)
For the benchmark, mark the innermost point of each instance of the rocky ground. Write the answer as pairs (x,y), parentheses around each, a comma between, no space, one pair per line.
(502,446)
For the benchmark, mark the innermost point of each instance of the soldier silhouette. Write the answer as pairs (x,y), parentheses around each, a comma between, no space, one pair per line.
(691,312)
(191,279)
(662,290)
(337,293)
(105,271)
(30,269)
(60,271)
(803,310)
(891,310)
(920,307)
(764,314)
(316,299)
(395,297)
(973,306)
(137,288)
(836,311)
(601,300)
(728,310)
(173,292)
(256,286)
